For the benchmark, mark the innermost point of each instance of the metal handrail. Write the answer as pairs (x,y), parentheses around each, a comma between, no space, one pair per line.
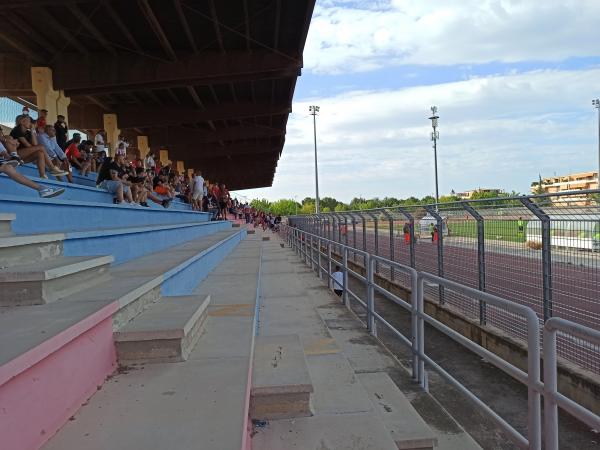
(416,341)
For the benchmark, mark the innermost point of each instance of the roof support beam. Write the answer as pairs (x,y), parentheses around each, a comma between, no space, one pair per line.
(215,21)
(67,35)
(186,26)
(157,29)
(122,27)
(123,73)
(88,25)
(134,117)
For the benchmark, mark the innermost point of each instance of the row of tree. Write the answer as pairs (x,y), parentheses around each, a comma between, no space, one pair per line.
(287,207)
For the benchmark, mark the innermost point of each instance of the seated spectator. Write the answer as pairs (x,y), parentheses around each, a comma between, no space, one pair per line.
(28,149)
(7,167)
(109,178)
(99,158)
(62,131)
(77,158)
(47,137)
(121,149)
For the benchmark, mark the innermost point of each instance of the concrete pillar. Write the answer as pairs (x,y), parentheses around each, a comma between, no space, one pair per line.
(41,84)
(62,105)
(180,167)
(112,132)
(142,145)
(164,156)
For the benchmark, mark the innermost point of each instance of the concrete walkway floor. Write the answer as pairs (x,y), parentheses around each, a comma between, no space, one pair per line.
(340,356)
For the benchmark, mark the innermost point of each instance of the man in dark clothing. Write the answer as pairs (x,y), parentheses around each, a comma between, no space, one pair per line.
(62,131)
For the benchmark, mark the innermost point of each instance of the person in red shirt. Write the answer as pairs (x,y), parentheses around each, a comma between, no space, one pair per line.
(41,120)
(75,157)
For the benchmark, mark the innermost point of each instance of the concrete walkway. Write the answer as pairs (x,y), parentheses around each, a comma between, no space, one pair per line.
(341,356)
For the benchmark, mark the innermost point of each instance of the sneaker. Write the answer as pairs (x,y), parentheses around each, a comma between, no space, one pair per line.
(50,192)
(14,156)
(145,205)
(166,203)
(58,172)
(8,162)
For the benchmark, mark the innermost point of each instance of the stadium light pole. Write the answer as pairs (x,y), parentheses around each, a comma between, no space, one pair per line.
(596,104)
(314,110)
(435,135)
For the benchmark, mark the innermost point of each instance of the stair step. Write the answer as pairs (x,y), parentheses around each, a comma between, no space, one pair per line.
(5,223)
(124,243)
(407,428)
(281,385)
(167,332)
(50,280)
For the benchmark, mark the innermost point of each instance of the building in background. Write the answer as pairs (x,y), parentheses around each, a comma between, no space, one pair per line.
(568,183)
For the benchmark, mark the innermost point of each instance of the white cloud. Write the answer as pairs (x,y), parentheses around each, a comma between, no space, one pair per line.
(351,36)
(497,131)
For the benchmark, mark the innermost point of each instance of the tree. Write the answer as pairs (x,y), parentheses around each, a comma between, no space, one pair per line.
(307,208)
(328,202)
(261,205)
(342,207)
(284,207)
(326,209)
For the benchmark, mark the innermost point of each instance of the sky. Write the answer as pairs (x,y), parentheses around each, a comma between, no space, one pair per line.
(513,81)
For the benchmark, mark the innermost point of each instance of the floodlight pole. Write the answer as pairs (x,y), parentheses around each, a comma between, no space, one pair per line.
(435,135)
(313,112)
(596,104)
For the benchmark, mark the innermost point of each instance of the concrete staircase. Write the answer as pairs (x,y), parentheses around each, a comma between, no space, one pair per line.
(69,290)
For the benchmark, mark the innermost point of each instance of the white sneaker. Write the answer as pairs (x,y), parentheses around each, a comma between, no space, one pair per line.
(50,192)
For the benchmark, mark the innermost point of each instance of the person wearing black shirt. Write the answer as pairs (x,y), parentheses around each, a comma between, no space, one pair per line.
(29,150)
(62,131)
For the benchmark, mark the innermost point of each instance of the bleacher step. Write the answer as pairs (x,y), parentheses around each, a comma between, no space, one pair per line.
(166,332)
(5,224)
(408,430)
(52,279)
(281,384)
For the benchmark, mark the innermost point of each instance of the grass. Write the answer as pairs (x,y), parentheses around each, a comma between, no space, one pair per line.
(503,230)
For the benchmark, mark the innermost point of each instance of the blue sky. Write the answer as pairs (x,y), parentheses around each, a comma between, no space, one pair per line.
(513,81)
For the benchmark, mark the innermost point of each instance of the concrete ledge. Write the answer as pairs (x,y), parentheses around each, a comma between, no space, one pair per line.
(266,238)
(281,384)
(167,332)
(251,231)
(408,430)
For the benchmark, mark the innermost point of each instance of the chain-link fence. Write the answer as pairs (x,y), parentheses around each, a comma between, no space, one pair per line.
(540,251)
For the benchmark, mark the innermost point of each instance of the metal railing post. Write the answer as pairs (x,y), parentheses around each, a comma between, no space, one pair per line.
(370,296)
(329,282)
(480,258)
(391,236)
(440,247)
(421,333)
(546,255)
(345,272)
(354,235)
(312,256)
(319,259)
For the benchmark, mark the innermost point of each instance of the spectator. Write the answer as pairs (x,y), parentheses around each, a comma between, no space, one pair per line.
(121,149)
(77,158)
(28,149)
(224,199)
(125,144)
(110,177)
(62,131)
(338,281)
(47,137)
(198,191)
(7,167)
(99,141)
(149,162)
(41,120)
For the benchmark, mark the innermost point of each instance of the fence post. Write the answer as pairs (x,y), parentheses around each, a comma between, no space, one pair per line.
(411,230)
(312,256)
(329,284)
(370,296)
(392,242)
(546,255)
(440,247)
(345,228)
(354,234)
(376,225)
(480,257)
(319,260)
(364,239)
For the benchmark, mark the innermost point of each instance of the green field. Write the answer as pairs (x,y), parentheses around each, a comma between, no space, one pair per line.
(504,230)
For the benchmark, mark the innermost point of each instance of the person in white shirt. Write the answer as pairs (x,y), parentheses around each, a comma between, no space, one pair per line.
(338,281)
(149,161)
(99,141)
(198,191)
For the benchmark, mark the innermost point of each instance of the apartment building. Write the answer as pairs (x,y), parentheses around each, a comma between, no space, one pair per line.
(568,183)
